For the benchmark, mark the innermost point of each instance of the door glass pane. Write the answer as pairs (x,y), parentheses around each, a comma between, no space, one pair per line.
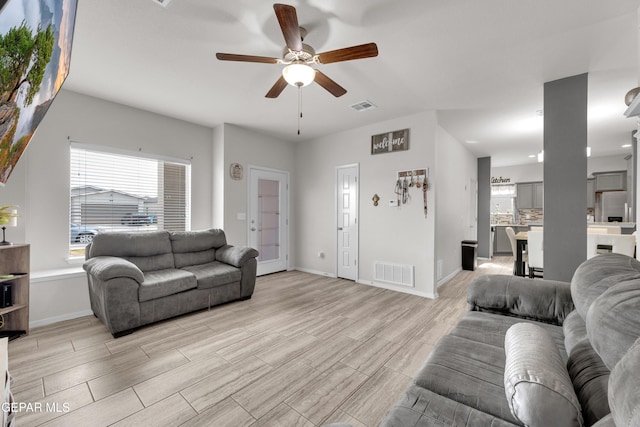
(268,219)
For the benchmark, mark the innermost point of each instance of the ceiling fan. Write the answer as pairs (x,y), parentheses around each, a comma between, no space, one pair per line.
(299,57)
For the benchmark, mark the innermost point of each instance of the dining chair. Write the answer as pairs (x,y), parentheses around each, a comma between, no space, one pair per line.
(535,253)
(608,229)
(512,239)
(618,243)
(597,230)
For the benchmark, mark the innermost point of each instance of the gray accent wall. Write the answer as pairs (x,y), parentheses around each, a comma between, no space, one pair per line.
(565,171)
(484,207)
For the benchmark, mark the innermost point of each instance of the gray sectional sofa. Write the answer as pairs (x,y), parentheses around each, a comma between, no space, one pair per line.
(140,278)
(537,353)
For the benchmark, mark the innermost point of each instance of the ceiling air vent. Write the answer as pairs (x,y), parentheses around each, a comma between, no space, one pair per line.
(162,3)
(363,106)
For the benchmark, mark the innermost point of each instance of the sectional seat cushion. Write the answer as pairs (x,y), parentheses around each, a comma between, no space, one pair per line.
(598,274)
(468,372)
(537,384)
(162,283)
(613,321)
(422,407)
(489,328)
(590,378)
(624,398)
(214,274)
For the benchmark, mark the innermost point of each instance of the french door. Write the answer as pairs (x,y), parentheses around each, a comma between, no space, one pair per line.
(268,218)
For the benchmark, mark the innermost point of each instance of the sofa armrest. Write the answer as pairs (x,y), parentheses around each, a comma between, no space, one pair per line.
(110,267)
(546,301)
(235,255)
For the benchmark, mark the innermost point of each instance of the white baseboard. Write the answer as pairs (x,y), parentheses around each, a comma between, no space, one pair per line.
(316,272)
(60,318)
(402,289)
(449,277)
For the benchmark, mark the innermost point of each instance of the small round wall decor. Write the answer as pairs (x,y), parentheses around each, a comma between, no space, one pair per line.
(235,171)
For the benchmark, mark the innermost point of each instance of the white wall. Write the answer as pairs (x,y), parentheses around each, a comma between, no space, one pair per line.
(251,149)
(397,235)
(456,167)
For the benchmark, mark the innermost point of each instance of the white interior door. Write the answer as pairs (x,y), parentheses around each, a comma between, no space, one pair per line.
(347,221)
(268,218)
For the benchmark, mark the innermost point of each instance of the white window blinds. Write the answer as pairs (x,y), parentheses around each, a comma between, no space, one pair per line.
(125,192)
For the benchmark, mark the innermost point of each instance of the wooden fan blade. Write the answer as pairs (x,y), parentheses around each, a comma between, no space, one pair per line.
(334,88)
(368,50)
(288,20)
(277,88)
(246,58)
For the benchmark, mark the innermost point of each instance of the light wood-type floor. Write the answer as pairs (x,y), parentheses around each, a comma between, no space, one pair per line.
(305,350)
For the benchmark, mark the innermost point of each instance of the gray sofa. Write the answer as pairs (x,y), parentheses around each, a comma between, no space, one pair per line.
(522,355)
(140,278)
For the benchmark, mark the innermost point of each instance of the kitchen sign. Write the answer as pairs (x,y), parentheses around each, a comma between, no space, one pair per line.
(390,141)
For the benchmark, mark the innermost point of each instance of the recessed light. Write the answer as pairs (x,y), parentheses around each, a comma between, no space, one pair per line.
(626,146)
(470,141)
(532,156)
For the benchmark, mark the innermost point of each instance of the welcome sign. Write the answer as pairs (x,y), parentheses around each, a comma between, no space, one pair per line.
(390,141)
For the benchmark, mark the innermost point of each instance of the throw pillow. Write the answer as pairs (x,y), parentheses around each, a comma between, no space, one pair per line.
(536,381)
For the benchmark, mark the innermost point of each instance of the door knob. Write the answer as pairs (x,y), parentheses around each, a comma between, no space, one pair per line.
(253,229)
(339,228)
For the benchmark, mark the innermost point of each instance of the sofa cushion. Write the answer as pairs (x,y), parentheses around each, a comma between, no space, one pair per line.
(613,321)
(196,241)
(468,372)
(590,378)
(624,396)
(537,384)
(194,258)
(148,251)
(424,408)
(196,247)
(575,330)
(597,274)
(214,274)
(161,283)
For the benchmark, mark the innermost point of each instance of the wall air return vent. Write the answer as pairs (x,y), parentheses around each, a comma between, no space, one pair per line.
(396,274)
(364,106)
(163,3)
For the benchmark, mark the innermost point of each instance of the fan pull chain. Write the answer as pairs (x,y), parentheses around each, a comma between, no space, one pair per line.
(299,106)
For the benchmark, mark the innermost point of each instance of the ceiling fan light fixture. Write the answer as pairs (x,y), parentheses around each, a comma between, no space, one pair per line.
(298,74)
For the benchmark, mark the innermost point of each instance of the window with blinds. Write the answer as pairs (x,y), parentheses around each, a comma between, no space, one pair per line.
(125,192)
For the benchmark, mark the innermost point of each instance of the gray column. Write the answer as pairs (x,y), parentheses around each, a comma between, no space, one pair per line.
(565,176)
(484,207)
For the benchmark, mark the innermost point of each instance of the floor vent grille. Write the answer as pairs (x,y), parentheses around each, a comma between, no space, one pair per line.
(397,274)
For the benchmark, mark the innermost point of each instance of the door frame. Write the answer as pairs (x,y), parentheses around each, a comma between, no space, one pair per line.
(286,203)
(335,216)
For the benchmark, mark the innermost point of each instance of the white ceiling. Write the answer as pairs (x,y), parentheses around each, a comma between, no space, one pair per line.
(481,64)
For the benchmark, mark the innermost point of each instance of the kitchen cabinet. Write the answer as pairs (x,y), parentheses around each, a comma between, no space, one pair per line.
(591,193)
(611,181)
(501,243)
(530,195)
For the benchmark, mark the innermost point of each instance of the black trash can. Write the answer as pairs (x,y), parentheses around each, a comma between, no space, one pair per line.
(469,254)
